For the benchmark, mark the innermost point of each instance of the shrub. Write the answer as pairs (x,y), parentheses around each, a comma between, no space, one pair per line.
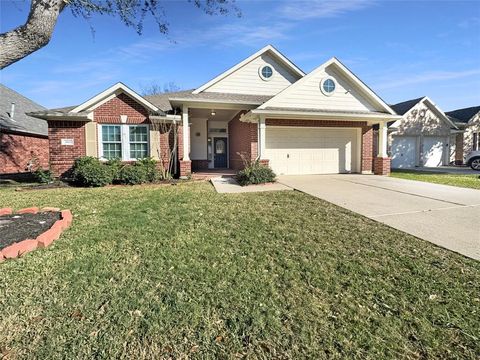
(133,175)
(150,167)
(43,176)
(254,173)
(115,166)
(89,171)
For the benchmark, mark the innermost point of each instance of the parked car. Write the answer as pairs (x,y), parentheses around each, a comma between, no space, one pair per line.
(473,160)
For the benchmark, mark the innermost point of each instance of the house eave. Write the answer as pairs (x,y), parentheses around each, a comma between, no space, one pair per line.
(218,104)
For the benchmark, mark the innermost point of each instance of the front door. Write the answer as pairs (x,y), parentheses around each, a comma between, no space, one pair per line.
(220,152)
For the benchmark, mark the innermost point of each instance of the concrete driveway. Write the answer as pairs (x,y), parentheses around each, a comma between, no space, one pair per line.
(444,215)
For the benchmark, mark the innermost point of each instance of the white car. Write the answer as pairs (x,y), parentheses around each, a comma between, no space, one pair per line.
(473,160)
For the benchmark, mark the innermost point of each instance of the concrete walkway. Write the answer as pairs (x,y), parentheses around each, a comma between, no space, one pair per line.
(444,215)
(228,185)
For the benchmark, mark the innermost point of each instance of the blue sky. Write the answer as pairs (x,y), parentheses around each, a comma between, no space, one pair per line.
(402,50)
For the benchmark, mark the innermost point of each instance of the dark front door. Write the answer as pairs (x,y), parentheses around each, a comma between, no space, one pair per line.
(220,152)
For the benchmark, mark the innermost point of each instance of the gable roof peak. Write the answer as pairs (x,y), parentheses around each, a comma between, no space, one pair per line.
(268,48)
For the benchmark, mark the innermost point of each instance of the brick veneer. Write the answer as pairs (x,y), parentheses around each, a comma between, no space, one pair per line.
(18,150)
(243,138)
(122,104)
(63,156)
(199,164)
(459,149)
(381,166)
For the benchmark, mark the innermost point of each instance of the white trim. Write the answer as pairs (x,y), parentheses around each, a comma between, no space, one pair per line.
(111,92)
(124,140)
(382,140)
(326,114)
(185,134)
(346,72)
(267,48)
(261,137)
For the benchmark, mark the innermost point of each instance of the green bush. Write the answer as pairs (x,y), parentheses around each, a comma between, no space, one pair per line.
(90,172)
(150,167)
(254,173)
(133,175)
(115,166)
(43,176)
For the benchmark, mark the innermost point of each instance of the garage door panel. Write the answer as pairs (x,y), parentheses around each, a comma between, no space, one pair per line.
(433,148)
(404,152)
(311,150)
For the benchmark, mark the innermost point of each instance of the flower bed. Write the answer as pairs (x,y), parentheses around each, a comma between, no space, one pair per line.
(29,229)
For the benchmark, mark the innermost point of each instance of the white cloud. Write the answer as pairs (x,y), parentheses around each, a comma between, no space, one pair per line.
(316,9)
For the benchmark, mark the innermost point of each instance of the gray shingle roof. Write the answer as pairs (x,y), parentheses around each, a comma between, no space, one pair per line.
(403,107)
(162,101)
(463,115)
(21,122)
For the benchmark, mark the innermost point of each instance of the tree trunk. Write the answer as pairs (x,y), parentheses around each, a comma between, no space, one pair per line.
(34,34)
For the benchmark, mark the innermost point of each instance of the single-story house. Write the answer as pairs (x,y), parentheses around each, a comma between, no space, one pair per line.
(424,136)
(264,107)
(23,138)
(467,119)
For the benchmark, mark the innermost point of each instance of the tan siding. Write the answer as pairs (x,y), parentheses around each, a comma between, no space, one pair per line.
(307,94)
(246,80)
(91,139)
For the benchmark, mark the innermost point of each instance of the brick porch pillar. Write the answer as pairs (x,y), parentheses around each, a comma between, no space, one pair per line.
(381,166)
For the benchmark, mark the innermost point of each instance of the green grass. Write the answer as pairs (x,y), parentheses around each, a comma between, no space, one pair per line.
(466,181)
(183,272)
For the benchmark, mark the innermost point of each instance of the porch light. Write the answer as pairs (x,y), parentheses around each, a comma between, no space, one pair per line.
(213,112)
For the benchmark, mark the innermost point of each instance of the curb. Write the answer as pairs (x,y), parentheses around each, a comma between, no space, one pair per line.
(43,240)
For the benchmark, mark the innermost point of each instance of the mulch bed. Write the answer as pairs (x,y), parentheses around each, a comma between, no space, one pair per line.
(18,227)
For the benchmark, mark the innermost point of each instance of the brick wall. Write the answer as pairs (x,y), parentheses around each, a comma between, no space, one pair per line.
(122,104)
(459,149)
(382,166)
(243,138)
(17,151)
(63,156)
(367,149)
(199,165)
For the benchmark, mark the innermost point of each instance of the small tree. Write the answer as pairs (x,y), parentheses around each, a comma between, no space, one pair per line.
(168,132)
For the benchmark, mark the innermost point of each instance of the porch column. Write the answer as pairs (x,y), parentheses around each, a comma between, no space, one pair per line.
(382,140)
(261,138)
(381,164)
(186,134)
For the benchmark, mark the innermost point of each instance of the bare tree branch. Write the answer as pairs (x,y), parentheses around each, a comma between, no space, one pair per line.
(33,35)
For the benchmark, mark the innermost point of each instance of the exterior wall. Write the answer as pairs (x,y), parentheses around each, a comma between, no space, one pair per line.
(198,139)
(459,149)
(242,138)
(382,166)
(306,93)
(421,120)
(18,151)
(110,111)
(367,134)
(63,156)
(199,165)
(246,80)
(473,126)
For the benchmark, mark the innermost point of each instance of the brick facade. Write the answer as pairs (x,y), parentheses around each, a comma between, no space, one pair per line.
(459,142)
(110,111)
(199,165)
(63,156)
(18,151)
(381,166)
(243,138)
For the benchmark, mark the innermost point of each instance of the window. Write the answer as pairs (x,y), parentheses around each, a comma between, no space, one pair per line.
(476,141)
(111,142)
(138,142)
(124,142)
(328,86)
(266,72)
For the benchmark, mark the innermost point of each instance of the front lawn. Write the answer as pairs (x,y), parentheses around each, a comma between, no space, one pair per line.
(183,272)
(467,181)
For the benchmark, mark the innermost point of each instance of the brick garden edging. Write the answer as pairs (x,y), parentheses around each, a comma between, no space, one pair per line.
(43,240)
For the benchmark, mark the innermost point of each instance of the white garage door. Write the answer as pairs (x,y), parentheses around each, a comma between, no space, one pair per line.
(297,151)
(404,152)
(433,151)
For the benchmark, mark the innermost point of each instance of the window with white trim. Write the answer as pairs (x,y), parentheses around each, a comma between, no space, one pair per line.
(124,142)
(476,141)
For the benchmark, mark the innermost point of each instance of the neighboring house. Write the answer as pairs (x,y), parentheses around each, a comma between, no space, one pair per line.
(23,138)
(467,119)
(264,107)
(424,136)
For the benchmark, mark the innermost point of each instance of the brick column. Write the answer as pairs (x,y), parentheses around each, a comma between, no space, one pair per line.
(381,166)
(367,149)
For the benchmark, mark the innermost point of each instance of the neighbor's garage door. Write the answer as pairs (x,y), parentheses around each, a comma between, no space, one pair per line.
(296,151)
(433,151)
(404,152)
